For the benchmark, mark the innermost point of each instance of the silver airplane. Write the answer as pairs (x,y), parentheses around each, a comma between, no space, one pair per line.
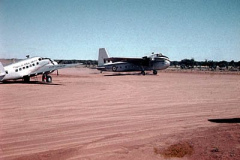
(153,63)
(30,67)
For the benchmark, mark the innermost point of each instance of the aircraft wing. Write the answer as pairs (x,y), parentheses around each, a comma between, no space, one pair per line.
(60,66)
(51,68)
(136,61)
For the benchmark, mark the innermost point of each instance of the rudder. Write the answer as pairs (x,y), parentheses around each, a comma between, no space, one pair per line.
(101,56)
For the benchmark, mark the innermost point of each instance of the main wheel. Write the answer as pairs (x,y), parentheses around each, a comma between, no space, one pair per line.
(143,73)
(155,72)
(26,79)
(49,79)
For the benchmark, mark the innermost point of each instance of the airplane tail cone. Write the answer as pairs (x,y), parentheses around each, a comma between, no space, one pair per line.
(2,72)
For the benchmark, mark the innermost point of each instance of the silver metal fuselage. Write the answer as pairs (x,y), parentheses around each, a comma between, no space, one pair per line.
(28,67)
(156,64)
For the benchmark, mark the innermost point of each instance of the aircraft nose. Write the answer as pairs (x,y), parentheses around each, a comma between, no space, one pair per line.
(167,63)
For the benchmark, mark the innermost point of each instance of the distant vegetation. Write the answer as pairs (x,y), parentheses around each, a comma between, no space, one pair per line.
(207,65)
(87,63)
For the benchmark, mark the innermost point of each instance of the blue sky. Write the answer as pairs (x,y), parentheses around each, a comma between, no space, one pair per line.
(76,29)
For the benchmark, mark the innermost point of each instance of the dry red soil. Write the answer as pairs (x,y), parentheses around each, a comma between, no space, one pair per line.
(87,115)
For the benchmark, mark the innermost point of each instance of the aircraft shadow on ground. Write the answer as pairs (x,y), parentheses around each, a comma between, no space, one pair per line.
(128,74)
(31,82)
(229,120)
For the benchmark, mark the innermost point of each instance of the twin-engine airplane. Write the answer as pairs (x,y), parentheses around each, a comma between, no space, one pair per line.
(153,62)
(30,67)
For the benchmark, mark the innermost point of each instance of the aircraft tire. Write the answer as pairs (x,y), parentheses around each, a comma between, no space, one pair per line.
(155,72)
(49,79)
(26,79)
(143,73)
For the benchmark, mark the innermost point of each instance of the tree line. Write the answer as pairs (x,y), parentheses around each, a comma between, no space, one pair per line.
(87,63)
(208,64)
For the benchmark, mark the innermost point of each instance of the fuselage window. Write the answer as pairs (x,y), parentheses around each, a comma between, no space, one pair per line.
(16,70)
(37,63)
(6,72)
(30,65)
(23,67)
(33,64)
(40,59)
(20,69)
(26,66)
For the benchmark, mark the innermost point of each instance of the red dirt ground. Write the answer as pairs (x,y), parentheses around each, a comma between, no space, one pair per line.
(87,115)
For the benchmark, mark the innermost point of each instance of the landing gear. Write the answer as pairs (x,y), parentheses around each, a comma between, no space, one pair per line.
(46,78)
(49,79)
(142,71)
(155,72)
(26,79)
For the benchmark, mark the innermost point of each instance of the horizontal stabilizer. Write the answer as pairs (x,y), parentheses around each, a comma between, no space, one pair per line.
(101,68)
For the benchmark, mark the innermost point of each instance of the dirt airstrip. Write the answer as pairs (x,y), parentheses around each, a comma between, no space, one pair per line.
(87,115)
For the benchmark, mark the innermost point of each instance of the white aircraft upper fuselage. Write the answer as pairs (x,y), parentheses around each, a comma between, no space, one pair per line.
(30,67)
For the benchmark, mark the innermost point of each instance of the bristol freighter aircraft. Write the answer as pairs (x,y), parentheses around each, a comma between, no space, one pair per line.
(30,67)
(153,63)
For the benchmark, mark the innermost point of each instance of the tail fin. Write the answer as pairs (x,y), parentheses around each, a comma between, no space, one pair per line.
(101,56)
(2,72)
